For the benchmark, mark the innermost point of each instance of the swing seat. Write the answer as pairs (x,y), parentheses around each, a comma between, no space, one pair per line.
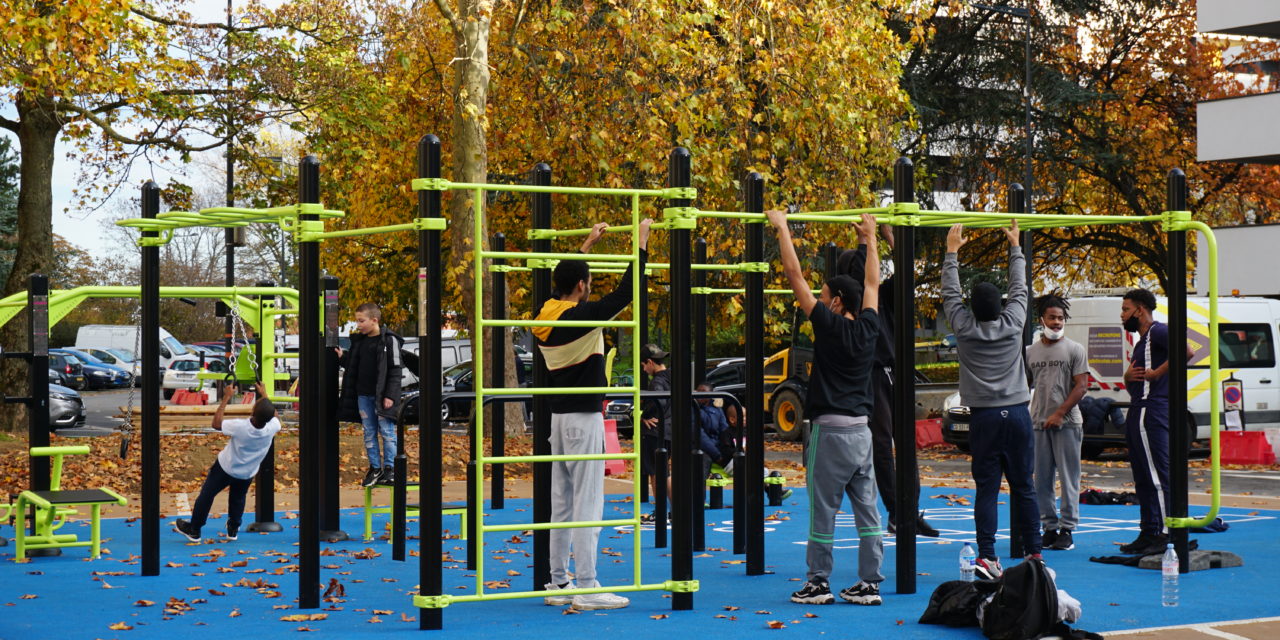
(51,509)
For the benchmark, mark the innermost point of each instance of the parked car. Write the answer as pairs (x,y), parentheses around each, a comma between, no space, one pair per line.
(119,358)
(727,374)
(69,368)
(66,409)
(98,374)
(452,352)
(460,378)
(182,373)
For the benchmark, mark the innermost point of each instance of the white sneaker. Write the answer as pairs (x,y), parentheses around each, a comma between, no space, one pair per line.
(595,601)
(560,600)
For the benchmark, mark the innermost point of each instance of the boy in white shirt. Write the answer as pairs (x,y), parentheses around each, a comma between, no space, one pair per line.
(236,465)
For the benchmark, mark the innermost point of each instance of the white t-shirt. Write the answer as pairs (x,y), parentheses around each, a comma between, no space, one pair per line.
(248,446)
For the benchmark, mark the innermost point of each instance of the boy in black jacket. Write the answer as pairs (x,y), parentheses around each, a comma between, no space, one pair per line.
(371,389)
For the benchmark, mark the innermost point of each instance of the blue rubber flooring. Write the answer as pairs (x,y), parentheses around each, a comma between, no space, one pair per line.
(248,588)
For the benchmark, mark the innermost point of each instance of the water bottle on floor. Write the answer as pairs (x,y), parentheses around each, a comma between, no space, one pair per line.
(1169,572)
(968,564)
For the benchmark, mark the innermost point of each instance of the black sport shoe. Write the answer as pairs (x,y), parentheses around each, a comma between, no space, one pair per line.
(1142,543)
(371,478)
(862,593)
(1155,546)
(813,593)
(233,532)
(388,476)
(184,527)
(1048,538)
(1062,541)
(924,528)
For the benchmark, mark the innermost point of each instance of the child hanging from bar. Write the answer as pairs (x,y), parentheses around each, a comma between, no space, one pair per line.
(845,328)
(236,465)
(575,358)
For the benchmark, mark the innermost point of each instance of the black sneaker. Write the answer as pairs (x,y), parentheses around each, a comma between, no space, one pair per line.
(813,593)
(1062,541)
(1048,538)
(1155,546)
(862,593)
(1140,543)
(371,478)
(924,528)
(233,532)
(388,476)
(184,527)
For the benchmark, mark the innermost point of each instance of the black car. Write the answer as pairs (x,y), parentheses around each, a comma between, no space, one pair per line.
(96,375)
(460,379)
(68,369)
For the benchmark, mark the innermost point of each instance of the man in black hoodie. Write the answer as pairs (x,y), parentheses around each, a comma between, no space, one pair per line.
(371,389)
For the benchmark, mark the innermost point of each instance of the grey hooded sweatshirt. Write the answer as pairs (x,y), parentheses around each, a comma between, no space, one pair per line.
(992,371)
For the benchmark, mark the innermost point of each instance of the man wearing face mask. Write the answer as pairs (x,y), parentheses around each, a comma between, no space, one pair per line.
(993,384)
(1147,423)
(1059,371)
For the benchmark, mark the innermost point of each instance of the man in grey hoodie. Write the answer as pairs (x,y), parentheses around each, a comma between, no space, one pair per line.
(993,383)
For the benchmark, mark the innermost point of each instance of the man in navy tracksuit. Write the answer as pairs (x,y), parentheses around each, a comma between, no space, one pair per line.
(1147,423)
(993,383)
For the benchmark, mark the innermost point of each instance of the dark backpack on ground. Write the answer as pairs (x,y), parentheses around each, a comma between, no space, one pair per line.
(1025,606)
(955,603)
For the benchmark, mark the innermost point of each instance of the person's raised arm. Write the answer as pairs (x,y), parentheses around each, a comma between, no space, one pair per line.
(216,424)
(871,277)
(1016,304)
(791,262)
(597,231)
(952,300)
(612,303)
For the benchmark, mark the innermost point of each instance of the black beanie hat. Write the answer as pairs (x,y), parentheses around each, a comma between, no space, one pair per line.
(985,301)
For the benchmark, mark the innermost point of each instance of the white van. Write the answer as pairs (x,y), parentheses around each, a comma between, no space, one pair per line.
(1247,333)
(125,336)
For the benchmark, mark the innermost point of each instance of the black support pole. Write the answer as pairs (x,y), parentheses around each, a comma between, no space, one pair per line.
(678,175)
(309,391)
(430,446)
(1017,203)
(150,297)
(264,484)
(830,256)
(38,378)
(498,336)
(906,500)
(641,311)
(330,522)
(1179,429)
(541,204)
(660,458)
(699,306)
(748,478)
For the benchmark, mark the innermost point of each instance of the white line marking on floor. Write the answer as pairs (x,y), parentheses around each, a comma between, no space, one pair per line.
(1210,631)
(183,505)
(1127,632)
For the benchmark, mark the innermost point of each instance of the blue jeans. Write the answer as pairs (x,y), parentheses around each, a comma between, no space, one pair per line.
(1001,444)
(376,427)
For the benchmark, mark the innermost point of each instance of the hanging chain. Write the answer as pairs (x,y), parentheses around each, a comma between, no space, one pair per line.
(238,326)
(128,427)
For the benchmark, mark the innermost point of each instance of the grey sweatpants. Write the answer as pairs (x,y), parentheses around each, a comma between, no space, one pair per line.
(1058,454)
(577,495)
(840,464)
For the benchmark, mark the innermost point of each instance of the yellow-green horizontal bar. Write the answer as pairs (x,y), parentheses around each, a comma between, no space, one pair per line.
(559,323)
(347,233)
(284,211)
(576,457)
(424,602)
(538,234)
(547,526)
(547,391)
(772,292)
(534,255)
(419,183)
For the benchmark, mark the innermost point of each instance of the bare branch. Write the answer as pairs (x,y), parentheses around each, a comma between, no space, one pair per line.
(171,22)
(447,12)
(11,125)
(118,104)
(168,141)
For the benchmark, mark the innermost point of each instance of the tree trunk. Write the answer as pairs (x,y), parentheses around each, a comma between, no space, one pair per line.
(471,164)
(37,133)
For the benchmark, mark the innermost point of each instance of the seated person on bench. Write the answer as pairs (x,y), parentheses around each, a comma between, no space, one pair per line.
(236,465)
(715,436)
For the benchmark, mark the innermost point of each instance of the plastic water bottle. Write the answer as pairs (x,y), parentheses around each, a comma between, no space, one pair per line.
(969,560)
(1169,572)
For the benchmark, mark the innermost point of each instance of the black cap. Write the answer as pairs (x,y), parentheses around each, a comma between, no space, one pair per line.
(652,352)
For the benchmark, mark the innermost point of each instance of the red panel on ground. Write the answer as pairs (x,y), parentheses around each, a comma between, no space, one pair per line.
(182,396)
(928,433)
(612,467)
(1246,447)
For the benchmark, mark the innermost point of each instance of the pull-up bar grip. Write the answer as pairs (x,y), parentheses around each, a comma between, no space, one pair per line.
(534,255)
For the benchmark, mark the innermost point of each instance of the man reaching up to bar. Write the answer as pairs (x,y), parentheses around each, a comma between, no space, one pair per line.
(575,358)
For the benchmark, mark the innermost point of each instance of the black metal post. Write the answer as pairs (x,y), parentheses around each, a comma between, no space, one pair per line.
(641,311)
(330,522)
(430,446)
(1179,436)
(748,474)
(830,258)
(498,336)
(678,175)
(38,377)
(907,501)
(309,395)
(264,484)
(474,508)
(541,205)
(150,300)
(660,497)
(698,487)
(1017,203)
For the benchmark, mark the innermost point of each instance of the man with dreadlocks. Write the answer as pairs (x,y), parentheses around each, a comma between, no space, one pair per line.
(1059,372)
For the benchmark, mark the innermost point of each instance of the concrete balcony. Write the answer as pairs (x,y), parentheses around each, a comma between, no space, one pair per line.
(1239,129)
(1258,18)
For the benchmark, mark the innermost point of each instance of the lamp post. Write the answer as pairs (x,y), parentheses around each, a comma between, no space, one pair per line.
(1025,14)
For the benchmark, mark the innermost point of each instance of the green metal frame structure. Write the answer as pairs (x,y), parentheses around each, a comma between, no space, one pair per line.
(52,507)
